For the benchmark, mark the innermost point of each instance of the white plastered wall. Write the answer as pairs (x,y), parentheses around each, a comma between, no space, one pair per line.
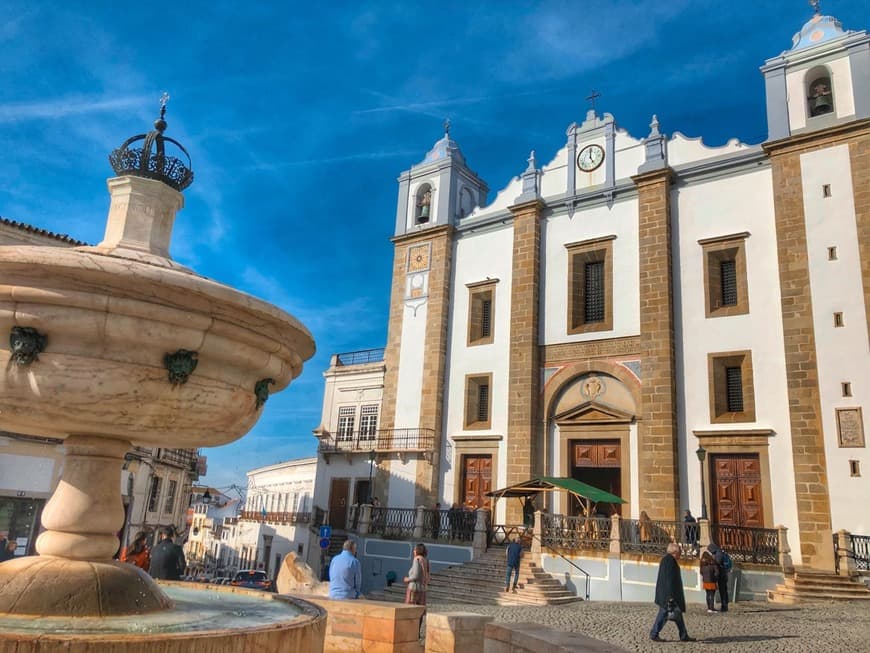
(721,207)
(841,353)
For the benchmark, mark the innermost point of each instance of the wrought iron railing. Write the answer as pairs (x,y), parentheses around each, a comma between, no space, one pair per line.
(502,534)
(653,536)
(360,357)
(277,517)
(560,532)
(449,525)
(745,544)
(861,551)
(393,523)
(381,440)
(185,458)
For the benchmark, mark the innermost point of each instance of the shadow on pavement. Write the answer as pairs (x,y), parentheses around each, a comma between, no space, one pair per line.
(734,639)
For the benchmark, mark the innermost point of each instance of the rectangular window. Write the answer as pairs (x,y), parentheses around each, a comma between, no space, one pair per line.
(832,253)
(847,389)
(734,389)
(826,190)
(590,285)
(346,418)
(854,468)
(169,504)
(728,275)
(154,494)
(478,401)
(732,394)
(368,422)
(725,284)
(593,305)
(838,319)
(481,304)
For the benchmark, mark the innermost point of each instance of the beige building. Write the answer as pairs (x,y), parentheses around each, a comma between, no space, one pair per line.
(684,326)
(155,482)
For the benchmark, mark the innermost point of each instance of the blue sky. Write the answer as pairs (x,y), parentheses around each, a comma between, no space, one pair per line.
(300,117)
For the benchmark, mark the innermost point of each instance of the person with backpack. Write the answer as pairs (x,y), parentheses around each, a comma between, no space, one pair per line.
(724,563)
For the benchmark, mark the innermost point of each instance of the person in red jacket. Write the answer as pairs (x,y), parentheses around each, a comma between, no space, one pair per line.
(138,553)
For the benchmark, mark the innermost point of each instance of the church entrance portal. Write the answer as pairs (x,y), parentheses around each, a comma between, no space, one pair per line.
(476,481)
(597,463)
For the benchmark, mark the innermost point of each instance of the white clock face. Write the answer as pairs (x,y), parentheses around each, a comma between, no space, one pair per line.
(590,158)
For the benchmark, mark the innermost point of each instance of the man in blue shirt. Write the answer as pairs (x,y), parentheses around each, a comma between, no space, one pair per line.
(514,553)
(345,573)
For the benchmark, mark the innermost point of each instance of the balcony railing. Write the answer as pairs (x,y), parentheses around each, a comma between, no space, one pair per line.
(393,523)
(360,357)
(277,517)
(381,440)
(744,544)
(560,532)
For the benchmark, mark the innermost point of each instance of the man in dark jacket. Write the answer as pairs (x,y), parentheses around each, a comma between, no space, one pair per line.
(167,558)
(669,590)
(719,556)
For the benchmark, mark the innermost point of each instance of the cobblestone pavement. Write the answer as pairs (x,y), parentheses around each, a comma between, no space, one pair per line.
(747,626)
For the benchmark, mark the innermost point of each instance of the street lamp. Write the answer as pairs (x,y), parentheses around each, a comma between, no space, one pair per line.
(206,497)
(702,454)
(371,467)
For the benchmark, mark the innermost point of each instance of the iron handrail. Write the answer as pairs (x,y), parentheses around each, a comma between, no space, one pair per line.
(360,357)
(573,564)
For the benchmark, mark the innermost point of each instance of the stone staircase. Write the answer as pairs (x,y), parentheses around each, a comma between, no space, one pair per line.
(809,585)
(481,582)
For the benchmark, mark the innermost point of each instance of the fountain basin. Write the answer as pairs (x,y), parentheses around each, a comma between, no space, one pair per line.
(109,322)
(206,619)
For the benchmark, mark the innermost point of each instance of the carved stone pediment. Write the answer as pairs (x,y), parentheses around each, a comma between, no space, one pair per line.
(592,412)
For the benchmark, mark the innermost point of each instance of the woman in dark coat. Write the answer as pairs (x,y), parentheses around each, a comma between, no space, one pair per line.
(709,579)
(669,591)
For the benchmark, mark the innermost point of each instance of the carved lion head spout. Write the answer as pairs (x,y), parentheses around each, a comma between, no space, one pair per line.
(26,343)
(180,365)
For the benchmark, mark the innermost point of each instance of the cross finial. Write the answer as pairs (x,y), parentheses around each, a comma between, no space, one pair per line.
(592,97)
(163,100)
(447,126)
(815,5)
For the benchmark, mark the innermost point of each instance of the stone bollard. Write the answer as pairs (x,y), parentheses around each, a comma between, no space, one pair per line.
(615,535)
(481,535)
(538,533)
(419,520)
(845,555)
(784,550)
(365,519)
(705,536)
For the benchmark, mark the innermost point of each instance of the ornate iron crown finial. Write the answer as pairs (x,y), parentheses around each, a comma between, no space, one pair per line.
(156,164)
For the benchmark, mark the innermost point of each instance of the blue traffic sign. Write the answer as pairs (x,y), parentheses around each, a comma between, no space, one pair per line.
(325,531)
(324,542)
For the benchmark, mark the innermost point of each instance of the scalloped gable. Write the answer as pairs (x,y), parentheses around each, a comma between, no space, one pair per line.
(682,149)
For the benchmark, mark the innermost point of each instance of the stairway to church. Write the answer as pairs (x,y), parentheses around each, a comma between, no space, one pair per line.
(810,585)
(481,582)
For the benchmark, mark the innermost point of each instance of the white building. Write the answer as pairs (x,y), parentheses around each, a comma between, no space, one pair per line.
(633,301)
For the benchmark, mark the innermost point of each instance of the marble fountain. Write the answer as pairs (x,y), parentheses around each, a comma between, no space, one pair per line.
(115,345)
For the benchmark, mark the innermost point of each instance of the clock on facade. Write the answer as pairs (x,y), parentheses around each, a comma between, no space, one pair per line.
(590,158)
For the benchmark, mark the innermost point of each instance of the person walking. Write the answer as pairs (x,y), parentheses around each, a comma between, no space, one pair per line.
(723,562)
(514,554)
(690,530)
(645,527)
(436,521)
(345,573)
(167,558)
(670,596)
(138,552)
(418,577)
(709,577)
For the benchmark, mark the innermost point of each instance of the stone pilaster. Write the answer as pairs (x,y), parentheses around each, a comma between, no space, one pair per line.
(859,153)
(523,449)
(657,431)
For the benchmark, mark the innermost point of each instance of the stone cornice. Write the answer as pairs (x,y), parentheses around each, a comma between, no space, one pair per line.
(423,234)
(815,139)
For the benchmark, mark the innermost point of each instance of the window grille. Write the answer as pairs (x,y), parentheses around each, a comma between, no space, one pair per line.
(170,497)
(728,276)
(486,318)
(346,418)
(593,309)
(734,389)
(483,403)
(154,495)
(368,422)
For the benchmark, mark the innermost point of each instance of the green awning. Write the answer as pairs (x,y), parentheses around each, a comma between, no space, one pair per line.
(550,483)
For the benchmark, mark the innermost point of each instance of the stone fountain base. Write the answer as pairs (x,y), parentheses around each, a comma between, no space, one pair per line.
(48,585)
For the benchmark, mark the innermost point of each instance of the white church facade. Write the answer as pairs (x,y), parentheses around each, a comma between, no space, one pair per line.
(677,324)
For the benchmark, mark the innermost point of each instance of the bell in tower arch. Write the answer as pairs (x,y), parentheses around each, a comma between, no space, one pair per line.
(821,100)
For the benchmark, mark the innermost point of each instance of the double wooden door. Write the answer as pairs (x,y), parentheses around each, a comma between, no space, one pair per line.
(476,480)
(736,488)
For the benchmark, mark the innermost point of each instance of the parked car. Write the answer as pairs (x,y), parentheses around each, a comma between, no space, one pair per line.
(220,580)
(253,579)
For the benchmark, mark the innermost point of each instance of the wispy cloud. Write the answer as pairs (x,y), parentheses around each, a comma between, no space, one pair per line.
(360,156)
(56,108)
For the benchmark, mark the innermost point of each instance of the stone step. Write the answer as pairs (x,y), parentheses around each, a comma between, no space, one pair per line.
(785,595)
(822,583)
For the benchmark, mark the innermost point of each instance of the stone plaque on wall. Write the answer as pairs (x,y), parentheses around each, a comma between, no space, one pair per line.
(850,427)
